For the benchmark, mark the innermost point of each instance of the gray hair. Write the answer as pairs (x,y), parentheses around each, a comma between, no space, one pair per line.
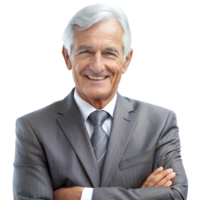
(90,15)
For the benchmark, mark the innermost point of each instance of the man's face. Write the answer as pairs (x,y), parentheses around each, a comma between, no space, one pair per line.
(97,62)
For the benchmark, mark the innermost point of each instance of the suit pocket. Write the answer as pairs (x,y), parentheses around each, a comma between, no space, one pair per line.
(138,159)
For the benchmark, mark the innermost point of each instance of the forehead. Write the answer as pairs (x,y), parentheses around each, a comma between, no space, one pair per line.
(103,33)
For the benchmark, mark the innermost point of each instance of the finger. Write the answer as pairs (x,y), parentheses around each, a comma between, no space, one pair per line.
(166,179)
(156,179)
(154,173)
(169,183)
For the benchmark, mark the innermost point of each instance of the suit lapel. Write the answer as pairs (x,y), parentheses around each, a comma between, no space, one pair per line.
(70,120)
(122,128)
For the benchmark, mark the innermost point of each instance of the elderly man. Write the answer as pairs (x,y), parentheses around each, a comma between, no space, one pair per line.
(96,144)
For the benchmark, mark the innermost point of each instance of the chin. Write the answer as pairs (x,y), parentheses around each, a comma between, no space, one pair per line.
(96,95)
(97,92)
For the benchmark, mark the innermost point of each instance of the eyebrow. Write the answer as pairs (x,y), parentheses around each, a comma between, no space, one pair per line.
(83,47)
(112,49)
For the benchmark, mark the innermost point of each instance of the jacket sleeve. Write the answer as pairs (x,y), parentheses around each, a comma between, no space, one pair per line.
(31,178)
(167,154)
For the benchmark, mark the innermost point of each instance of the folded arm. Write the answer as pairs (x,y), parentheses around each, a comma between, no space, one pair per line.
(159,178)
(167,154)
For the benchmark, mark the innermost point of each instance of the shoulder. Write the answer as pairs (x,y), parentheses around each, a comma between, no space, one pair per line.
(46,112)
(148,110)
(154,118)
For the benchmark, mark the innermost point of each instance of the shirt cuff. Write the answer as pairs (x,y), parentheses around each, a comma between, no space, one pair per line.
(87,194)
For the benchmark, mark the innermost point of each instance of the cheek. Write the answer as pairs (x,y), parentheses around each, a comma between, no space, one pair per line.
(79,65)
(116,69)
(76,71)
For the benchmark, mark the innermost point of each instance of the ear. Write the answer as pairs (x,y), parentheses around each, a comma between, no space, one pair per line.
(66,58)
(127,61)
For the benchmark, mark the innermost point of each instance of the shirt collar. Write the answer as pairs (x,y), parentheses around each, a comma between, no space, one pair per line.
(86,109)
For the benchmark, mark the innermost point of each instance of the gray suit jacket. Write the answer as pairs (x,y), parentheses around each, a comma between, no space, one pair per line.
(53,150)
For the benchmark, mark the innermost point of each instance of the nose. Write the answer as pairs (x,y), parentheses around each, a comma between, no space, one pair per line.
(97,64)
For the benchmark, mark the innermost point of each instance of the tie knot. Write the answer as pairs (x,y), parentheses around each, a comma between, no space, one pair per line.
(98,117)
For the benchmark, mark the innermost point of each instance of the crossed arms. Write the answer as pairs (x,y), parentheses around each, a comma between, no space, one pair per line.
(33,172)
(159,178)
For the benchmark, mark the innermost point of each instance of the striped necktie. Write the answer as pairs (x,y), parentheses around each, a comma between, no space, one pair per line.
(99,137)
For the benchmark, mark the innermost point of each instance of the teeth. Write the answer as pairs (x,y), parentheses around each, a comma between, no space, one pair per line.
(96,77)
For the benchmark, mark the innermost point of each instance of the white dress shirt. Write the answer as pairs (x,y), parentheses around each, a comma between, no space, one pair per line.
(86,109)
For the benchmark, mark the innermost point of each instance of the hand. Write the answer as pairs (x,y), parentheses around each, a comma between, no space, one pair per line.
(73,193)
(159,178)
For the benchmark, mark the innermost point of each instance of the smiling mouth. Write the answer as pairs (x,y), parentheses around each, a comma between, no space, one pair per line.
(96,78)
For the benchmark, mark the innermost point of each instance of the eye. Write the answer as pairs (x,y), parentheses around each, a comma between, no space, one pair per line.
(109,53)
(85,52)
